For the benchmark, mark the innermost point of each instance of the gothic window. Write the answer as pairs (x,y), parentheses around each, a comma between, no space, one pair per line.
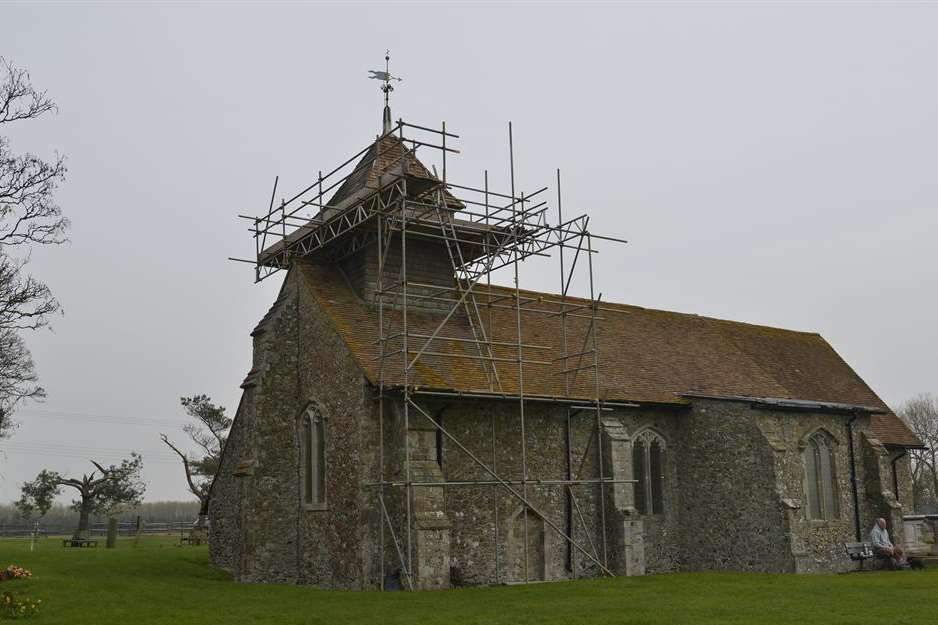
(313,457)
(648,464)
(820,477)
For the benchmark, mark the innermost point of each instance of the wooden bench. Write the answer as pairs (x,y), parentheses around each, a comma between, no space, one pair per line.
(79,542)
(193,541)
(860,552)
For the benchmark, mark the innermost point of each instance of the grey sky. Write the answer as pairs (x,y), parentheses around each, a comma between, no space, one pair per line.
(769,163)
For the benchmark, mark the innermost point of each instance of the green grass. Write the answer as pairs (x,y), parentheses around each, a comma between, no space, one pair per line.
(158,583)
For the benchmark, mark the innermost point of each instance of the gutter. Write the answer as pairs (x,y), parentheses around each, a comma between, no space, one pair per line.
(792,405)
(588,404)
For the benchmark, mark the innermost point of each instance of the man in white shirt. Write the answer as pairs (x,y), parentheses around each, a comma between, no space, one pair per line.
(883,547)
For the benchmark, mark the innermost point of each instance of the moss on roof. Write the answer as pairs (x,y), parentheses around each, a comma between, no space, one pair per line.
(645,355)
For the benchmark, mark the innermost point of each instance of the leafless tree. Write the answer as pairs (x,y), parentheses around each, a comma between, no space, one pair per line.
(29,216)
(18,378)
(28,212)
(25,303)
(921,415)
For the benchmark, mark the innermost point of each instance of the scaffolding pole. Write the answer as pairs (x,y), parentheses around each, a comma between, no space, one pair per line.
(407,367)
(524,439)
(380,281)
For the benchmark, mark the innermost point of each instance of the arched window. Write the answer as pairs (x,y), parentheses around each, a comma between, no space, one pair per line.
(648,471)
(820,477)
(313,458)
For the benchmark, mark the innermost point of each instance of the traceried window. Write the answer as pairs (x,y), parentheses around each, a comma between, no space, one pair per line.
(313,458)
(820,477)
(648,471)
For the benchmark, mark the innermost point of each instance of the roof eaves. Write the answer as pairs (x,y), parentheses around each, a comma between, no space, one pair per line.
(780,403)
(572,400)
(905,446)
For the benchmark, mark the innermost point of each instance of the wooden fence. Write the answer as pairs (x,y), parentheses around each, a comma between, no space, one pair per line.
(129,528)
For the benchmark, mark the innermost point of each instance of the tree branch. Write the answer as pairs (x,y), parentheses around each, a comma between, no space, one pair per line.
(185,463)
(19,100)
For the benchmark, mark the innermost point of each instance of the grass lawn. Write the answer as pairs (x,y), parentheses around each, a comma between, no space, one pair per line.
(157,582)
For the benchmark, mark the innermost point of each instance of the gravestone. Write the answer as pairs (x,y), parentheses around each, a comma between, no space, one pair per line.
(111,533)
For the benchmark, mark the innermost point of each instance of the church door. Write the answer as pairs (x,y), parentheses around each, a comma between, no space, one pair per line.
(535,550)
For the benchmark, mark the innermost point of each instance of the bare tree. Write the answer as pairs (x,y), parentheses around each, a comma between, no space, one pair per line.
(101,492)
(25,303)
(921,415)
(29,216)
(209,433)
(18,378)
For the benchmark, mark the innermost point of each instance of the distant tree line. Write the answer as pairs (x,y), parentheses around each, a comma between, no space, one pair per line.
(151,512)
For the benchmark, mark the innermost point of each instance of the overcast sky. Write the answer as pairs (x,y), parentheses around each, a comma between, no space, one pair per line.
(769,163)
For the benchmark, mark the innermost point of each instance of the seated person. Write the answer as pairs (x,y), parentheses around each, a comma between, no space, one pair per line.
(884,548)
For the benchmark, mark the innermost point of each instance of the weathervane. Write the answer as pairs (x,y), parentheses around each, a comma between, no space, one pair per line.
(387,88)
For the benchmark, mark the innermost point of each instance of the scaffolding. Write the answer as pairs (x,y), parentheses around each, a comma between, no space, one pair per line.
(482,231)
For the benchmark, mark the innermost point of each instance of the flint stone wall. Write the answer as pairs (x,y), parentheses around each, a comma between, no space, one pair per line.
(225,531)
(728,502)
(754,490)
(262,532)
(491,431)
(879,483)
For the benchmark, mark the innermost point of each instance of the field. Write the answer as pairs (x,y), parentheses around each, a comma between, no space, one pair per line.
(159,583)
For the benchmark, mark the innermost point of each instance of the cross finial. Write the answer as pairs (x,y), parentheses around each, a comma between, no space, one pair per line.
(387,88)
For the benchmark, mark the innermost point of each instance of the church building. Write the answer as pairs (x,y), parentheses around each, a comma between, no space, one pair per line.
(414,418)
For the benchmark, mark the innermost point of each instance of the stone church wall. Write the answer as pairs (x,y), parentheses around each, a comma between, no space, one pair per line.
(749,462)
(817,545)
(234,492)
(225,503)
(271,498)
(267,533)
(879,484)
(662,531)
(476,511)
(729,505)
(331,548)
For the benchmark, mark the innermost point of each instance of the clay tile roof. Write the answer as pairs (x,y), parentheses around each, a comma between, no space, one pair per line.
(647,356)
(892,430)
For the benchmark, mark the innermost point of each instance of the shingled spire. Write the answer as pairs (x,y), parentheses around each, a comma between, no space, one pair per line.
(387,158)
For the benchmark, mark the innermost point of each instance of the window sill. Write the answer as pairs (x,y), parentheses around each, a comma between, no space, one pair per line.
(315,507)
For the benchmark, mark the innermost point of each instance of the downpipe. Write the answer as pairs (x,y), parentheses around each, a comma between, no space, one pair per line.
(853,479)
(895,473)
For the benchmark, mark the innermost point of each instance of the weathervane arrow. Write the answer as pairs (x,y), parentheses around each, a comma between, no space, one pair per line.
(386,77)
